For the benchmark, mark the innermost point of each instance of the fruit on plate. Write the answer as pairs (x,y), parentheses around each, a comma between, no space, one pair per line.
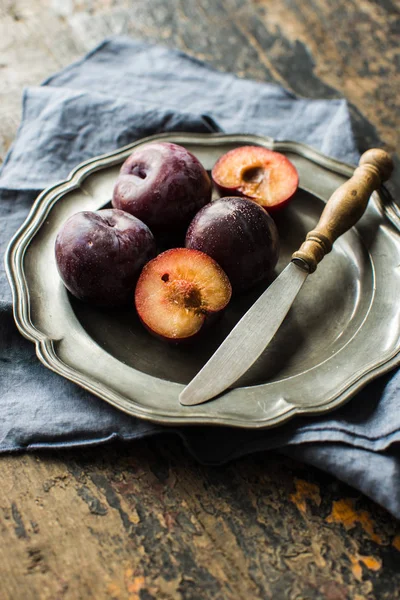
(100,254)
(178,291)
(163,185)
(267,177)
(240,235)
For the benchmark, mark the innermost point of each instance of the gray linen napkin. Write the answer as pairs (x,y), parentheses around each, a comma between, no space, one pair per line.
(121,91)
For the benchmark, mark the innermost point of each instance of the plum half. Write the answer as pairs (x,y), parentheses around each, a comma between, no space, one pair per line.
(163,185)
(265,176)
(241,236)
(178,290)
(99,255)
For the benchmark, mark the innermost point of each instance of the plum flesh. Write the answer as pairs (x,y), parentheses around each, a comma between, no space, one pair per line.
(177,292)
(267,177)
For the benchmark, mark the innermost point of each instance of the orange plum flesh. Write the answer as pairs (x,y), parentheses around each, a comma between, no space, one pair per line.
(265,176)
(177,290)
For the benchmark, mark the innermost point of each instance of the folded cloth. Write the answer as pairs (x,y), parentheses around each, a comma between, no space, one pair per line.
(121,91)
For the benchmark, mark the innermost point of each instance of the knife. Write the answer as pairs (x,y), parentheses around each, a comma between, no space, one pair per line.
(251,335)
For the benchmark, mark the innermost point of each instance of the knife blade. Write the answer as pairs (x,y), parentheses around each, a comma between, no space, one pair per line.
(251,335)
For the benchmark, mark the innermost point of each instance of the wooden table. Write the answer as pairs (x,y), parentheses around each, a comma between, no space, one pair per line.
(145,521)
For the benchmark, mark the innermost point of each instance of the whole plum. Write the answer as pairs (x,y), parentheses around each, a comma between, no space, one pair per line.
(240,236)
(100,255)
(163,185)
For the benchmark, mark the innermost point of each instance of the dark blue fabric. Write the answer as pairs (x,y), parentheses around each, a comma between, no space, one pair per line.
(120,92)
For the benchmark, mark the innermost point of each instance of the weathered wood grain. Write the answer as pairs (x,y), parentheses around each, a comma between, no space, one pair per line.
(145,521)
(316,48)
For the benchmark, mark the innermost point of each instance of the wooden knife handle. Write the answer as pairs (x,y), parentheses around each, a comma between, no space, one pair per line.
(344,208)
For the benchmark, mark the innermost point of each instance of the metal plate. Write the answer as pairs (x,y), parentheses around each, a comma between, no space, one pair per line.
(342,331)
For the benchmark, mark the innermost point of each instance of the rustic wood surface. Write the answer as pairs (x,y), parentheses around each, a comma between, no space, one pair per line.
(144,520)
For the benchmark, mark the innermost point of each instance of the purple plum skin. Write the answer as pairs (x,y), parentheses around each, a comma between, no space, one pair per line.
(240,236)
(100,255)
(163,185)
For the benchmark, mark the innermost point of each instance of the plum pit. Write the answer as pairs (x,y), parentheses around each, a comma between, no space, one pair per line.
(253,174)
(184,293)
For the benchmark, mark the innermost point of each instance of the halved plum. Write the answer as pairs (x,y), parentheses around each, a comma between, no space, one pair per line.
(178,290)
(265,176)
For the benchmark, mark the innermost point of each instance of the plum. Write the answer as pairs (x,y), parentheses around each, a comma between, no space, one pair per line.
(265,176)
(100,254)
(178,290)
(240,235)
(163,185)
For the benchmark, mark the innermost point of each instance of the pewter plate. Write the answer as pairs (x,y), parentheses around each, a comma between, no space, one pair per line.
(342,331)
